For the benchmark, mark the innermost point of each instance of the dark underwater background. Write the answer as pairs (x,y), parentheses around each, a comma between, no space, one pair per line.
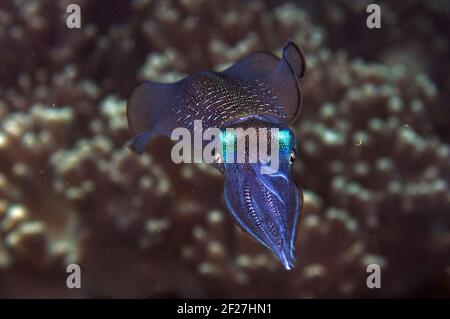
(373,160)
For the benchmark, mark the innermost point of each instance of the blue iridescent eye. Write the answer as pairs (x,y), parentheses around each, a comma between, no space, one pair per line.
(284,141)
(228,140)
(284,137)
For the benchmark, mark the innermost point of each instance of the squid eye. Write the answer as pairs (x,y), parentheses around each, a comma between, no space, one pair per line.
(217,158)
(292,157)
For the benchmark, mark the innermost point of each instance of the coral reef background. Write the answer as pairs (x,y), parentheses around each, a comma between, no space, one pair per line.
(374,151)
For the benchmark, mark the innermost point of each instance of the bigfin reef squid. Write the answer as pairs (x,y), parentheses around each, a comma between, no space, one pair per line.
(261,91)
